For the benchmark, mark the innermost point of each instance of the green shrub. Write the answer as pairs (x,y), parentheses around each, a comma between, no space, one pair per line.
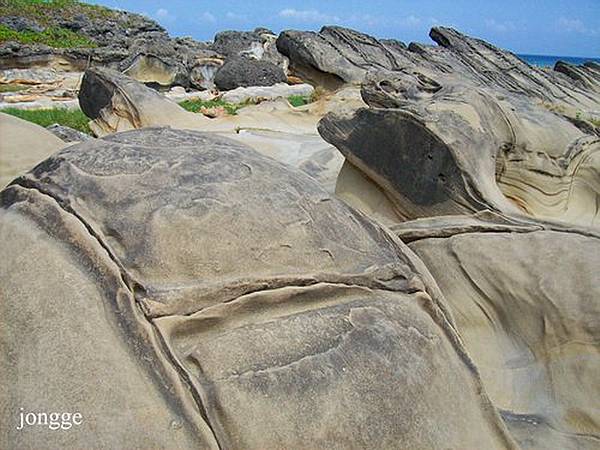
(52,36)
(43,11)
(73,118)
(299,100)
(196,105)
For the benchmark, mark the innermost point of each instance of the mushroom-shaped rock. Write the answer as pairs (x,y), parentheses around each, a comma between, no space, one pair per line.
(443,146)
(115,102)
(209,297)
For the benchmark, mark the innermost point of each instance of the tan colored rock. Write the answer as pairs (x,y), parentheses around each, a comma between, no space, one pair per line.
(525,301)
(181,290)
(22,146)
(116,103)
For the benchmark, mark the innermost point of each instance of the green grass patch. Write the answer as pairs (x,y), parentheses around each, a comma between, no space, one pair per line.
(595,122)
(43,11)
(73,118)
(11,88)
(52,36)
(196,105)
(299,100)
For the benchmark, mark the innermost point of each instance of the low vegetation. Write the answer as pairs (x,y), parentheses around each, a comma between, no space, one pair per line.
(299,100)
(197,105)
(46,14)
(73,118)
(52,37)
(43,11)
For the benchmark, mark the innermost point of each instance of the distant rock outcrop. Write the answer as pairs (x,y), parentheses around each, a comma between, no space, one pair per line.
(244,72)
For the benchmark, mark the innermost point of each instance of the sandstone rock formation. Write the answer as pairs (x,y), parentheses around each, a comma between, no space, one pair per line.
(530,324)
(202,273)
(116,102)
(443,143)
(500,167)
(22,146)
(216,299)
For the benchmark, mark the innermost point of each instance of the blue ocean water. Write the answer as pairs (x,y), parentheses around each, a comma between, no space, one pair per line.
(549,61)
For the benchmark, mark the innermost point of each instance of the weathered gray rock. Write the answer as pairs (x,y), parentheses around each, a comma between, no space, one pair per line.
(244,72)
(242,305)
(335,55)
(258,44)
(125,41)
(18,23)
(443,144)
(68,134)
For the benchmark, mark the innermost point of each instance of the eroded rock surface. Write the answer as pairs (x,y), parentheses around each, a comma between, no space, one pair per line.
(116,102)
(525,301)
(242,305)
(452,142)
(244,72)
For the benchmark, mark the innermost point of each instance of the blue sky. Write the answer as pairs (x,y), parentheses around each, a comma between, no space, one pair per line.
(551,27)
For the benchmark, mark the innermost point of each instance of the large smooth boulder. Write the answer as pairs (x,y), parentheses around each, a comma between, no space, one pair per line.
(22,146)
(180,290)
(244,72)
(527,305)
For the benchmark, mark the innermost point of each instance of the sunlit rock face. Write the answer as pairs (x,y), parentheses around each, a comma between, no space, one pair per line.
(490,171)
(451,143)
(226,301)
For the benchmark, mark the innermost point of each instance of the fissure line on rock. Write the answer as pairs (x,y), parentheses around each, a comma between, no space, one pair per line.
(131,286)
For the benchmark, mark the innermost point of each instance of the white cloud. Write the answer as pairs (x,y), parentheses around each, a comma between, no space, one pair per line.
(576,26)
(500,27)
(207,17)
(235,16)
(164,15)
(314,16)
(308,15)
(410,21)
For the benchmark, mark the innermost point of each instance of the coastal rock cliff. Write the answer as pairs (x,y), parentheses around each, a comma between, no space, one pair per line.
(359,243)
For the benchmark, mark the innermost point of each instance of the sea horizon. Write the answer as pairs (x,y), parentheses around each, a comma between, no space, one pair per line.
(550,60)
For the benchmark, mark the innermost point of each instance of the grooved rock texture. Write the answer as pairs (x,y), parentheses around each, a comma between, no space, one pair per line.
(474,137)
(210,297)
(116,102)
(526,304)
